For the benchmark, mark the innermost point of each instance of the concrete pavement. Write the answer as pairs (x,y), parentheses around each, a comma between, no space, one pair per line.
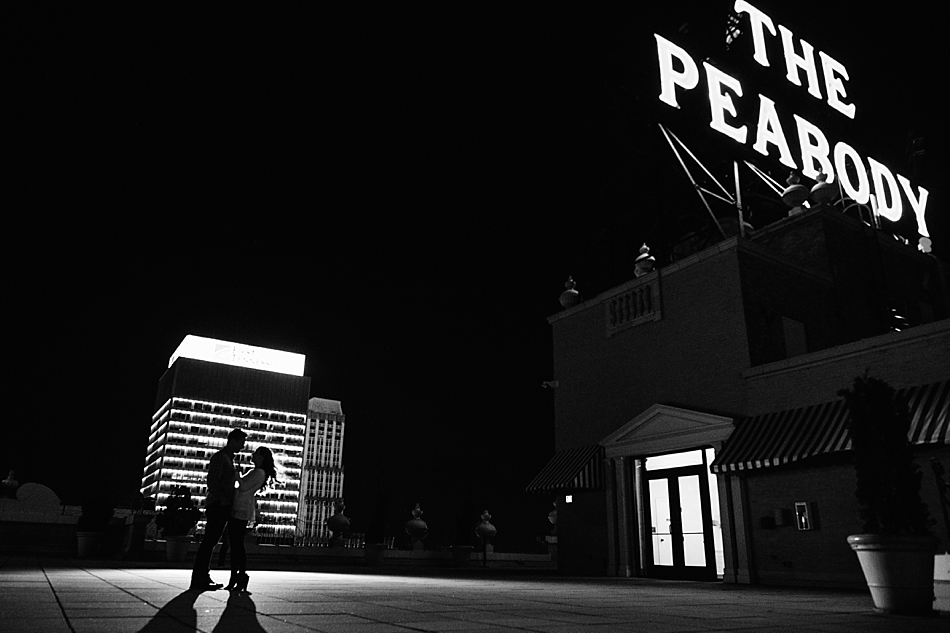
(73,596)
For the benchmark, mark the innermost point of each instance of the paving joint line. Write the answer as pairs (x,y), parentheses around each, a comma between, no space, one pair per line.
(59,602)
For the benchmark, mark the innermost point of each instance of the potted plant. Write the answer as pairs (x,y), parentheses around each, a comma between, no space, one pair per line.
(895,549)
(175,521)
(97,511)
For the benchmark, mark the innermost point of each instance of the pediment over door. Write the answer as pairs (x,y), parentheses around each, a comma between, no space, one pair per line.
(665,429)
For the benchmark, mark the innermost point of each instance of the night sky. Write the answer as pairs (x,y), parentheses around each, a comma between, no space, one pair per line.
(397,193)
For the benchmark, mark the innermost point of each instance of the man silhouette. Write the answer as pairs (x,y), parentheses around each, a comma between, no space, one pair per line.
(221,479)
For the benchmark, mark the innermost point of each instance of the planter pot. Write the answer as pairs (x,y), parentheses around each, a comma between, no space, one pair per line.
(942,582)
(88,544)
(176,548)
(899,571)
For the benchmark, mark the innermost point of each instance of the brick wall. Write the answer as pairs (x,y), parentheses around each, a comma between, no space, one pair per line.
(771,290)
(800,240)
(785,555)
(871,272)
(913,357)
(582,535)
(692,357)
(721,313)
(820,557)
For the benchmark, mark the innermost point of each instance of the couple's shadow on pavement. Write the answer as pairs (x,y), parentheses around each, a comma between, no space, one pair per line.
(239,615)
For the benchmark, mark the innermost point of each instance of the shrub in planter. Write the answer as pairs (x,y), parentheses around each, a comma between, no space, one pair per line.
(896,547)
(176,521)
(180,514)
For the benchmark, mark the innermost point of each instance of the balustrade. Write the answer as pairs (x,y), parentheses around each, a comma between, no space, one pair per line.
(634,305)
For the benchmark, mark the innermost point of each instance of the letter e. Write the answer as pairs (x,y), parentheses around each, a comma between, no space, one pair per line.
(831,68)
(720,102)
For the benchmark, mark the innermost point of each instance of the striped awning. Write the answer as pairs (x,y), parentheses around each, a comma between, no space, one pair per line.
(929,406)
(575,469)
(788,436)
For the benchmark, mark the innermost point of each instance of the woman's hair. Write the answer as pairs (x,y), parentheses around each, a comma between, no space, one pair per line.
(267,464)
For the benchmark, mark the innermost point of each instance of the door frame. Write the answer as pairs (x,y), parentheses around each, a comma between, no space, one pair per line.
(659,429)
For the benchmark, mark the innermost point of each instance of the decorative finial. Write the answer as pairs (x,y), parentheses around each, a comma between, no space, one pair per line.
(823,192)
(416,528)
(338,524)
(795,194)
(485,530)
(645,262)
(569,297)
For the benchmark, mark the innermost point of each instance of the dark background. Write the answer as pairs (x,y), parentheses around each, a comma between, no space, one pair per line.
(397,192)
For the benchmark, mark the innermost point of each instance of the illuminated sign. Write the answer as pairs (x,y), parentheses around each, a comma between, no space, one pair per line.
(864,180)
(226,353)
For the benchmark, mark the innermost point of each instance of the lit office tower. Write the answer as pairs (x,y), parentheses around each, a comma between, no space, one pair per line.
(212,387)
(322,482)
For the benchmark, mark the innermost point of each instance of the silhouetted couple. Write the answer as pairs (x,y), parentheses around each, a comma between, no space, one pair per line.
(231,505)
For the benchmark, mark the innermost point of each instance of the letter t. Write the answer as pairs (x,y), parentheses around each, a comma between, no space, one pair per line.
(758,20)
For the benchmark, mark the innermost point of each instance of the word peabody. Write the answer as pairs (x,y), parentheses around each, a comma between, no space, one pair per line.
(679,70)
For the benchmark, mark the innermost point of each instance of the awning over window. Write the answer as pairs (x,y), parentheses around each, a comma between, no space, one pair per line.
(783,437)
(930,413)
(575,469)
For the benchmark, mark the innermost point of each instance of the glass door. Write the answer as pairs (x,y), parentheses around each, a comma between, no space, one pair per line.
(680,522)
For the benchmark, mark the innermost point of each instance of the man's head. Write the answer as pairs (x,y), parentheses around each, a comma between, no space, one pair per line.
(236,440)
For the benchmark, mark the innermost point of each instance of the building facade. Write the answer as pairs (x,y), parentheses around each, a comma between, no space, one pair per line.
(212,387)
(322,479)
(697,419)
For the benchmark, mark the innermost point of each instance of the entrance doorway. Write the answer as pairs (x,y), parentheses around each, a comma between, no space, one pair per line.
(683,529)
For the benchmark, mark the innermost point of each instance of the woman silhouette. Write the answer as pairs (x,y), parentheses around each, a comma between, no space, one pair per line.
(245,510)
